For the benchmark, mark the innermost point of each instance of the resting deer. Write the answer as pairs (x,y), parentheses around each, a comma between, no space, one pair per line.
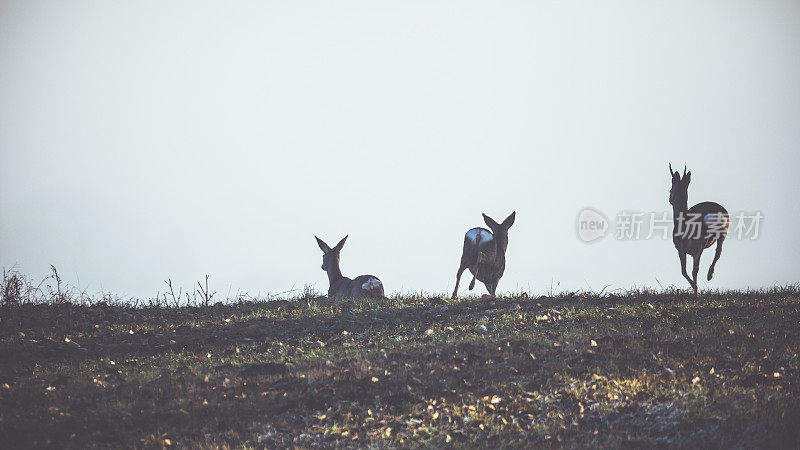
(485,253)
(697,228)
(364,286)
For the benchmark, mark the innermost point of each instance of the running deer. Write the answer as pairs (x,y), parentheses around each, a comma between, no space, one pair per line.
(364,286)
(696,228)
(485,253)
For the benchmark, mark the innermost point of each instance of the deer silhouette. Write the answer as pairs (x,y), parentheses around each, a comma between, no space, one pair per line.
(364,286)
(484,253)
(696,228)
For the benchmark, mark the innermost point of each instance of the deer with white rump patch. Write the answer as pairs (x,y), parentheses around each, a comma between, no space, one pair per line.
(364,286)
(484,253)
(696,228)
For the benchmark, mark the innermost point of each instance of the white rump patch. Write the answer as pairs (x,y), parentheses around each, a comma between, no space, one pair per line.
(371,284)
(472,235)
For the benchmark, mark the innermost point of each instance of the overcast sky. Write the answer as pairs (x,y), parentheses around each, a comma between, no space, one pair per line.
(147,140)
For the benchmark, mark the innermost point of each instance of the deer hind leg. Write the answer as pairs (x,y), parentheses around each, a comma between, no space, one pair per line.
(477,261)
(716,257)
(458,278)
(492,287)
(695,269)
(482,259)
(472,283)
(682,257)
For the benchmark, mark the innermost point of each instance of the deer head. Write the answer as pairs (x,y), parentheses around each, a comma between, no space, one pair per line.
(500,230)
(679,193)
(330,256)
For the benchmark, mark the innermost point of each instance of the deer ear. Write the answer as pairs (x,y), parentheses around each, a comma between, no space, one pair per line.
(341,243)
(322,245)
(509,220)
(489,221)
(687,178)
(676,177)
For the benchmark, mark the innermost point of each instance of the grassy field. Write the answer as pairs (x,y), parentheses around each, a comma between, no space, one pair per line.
(642,369)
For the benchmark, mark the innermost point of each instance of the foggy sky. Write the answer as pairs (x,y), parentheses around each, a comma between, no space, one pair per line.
(152,140)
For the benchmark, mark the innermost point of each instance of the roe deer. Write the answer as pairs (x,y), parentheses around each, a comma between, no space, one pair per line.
(696,228)
(364,286)
(484,253)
